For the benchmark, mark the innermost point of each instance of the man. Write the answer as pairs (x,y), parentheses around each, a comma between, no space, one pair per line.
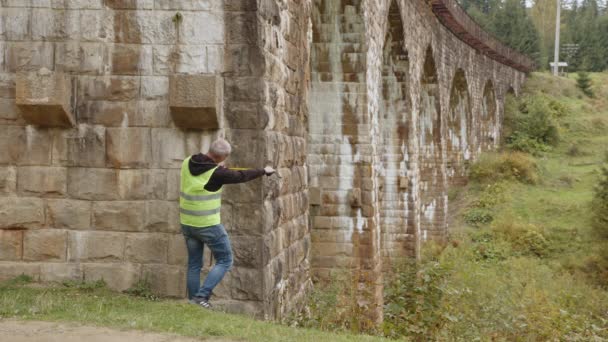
(202,178)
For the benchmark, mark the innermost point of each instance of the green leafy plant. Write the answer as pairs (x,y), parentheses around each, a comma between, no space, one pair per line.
(494,167)
(84,285)
(600,204)
(142,288)
(583,82)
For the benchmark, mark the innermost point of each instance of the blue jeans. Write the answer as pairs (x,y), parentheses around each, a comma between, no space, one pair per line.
(216,239)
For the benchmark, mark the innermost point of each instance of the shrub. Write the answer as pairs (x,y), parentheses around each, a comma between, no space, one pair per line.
(513,165)
(531,123)
(583,82)
(85,286)
(525,239)
(478,216)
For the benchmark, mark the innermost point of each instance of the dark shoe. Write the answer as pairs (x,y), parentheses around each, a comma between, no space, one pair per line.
(204,302)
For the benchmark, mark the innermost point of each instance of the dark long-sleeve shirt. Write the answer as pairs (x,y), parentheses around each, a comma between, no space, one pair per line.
(200,163)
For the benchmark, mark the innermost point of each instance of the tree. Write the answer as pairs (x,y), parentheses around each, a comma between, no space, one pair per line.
(583,82)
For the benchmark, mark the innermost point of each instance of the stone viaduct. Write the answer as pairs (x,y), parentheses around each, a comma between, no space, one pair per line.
(369,109)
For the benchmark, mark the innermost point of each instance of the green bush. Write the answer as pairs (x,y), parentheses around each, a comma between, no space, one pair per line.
(531,123)
(494,167)
(84,285)
(583,82)
(525,239)
(143,288)
(478,216)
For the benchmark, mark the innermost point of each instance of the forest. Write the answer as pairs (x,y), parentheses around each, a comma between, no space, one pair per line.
(529,27)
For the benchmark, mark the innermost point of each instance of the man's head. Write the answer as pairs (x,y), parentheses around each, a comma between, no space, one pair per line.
(219,150)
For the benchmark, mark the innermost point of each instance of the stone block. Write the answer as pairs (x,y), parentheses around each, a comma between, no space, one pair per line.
(404,183)
(44,98)
(196,101)
(166,280)
(142,184)
(59,272)
(53,25)
(93,184)
(248,219)
(9,113)
(177,252)
(155,87)
(146,248)
(162,216)
(248,251)
(8,180)
(109,88)
(81,57)
(42,181)
(192,33)
(44,245)
(118,215)
(67,213)
(10,270)
(29,56)
(354,197)
(11,244)
(247,283)
(168,147)
(131,59)
(16,23)
(314,196)
(95,246)
(25,145)
(128,147)
(130,4)
(84,147)
(118,277)
(19,212)
(173,184)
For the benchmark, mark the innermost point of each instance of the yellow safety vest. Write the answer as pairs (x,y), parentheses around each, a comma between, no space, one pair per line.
(197,206)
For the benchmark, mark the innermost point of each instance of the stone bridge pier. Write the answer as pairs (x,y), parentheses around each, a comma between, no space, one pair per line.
(369,109)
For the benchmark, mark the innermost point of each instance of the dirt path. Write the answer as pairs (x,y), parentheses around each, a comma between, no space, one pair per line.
(33,331)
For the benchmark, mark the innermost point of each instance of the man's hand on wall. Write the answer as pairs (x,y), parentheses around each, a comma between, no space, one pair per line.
(269,171)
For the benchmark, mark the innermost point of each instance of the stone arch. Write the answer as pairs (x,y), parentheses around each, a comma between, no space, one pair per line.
(432,172)
(489,117)
(459,125)
(342,202)
(396,203)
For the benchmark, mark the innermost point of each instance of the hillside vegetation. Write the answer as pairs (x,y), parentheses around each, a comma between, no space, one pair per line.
(527,259)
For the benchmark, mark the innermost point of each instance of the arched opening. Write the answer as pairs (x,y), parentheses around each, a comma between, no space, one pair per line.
(432,173)
(395,123)
(489,122)
(459,128)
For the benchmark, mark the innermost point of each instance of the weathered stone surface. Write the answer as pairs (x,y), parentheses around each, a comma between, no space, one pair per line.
(109,88)
(42,181)
(95,246)
(118,215)
(11,245)
(84,147)
(146,248)
(131,59)
(9,112)
(44,245)
(177,254)
(8,180)
(162,216)
(247,283)
(67,213)
(128,147)
(195,101)
(24,146)
(168,147)
(29,56)
(142,184)
(44,98)
(18,212)
(93,184)
(118,277)
(165,279)
(59,272)
(81,57)
(10,270)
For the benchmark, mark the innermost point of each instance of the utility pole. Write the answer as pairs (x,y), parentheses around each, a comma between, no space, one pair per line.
(557,25)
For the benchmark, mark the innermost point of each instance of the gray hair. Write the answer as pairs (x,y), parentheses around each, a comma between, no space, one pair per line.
(220,148)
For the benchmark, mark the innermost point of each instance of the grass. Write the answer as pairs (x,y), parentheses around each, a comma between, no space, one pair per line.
(96,305)
(524,263)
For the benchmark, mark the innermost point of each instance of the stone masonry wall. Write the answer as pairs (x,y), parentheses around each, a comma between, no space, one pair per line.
(369,109)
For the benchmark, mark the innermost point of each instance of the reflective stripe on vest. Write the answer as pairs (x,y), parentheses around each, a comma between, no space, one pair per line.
(197,206)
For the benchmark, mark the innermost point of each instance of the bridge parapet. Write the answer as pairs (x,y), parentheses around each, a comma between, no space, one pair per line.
(455,19)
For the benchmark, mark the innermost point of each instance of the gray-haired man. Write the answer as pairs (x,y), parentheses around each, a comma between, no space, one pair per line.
(202,178)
